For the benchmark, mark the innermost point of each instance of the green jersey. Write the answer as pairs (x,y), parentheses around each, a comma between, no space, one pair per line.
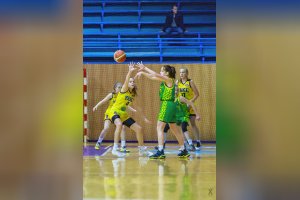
(167,93)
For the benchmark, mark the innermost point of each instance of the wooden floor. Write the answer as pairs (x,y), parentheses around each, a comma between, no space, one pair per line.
(106,176)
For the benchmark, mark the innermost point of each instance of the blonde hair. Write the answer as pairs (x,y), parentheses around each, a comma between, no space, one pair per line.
(186,69)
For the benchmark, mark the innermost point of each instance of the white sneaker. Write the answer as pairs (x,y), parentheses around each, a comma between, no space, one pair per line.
(117,153)
(143,151)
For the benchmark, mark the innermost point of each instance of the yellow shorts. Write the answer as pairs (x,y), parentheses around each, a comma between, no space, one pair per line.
(123,115)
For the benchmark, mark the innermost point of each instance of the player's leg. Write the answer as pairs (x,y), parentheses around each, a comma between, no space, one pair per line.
(123,140)
(139,135)
(117,121)
(195,130)
(166,129)
(186,133)
(179,136)
(160,136)
(103,133)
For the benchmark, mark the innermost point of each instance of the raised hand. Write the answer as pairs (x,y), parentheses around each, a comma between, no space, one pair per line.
(141,66)
(147,121)
(95,108)
(131,66)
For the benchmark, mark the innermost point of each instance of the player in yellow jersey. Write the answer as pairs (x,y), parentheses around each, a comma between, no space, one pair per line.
(111,97)
(119,116)
(188,89)
(168,107)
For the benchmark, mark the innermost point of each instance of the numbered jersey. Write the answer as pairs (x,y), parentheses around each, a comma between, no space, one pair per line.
(185,89)
(123,100)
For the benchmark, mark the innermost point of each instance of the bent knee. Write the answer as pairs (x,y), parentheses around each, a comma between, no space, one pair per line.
(118,125)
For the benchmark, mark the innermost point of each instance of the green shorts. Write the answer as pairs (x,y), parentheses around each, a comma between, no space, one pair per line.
(167,112)
(182,114)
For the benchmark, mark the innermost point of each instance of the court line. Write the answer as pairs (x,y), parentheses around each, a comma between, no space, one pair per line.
(108,150)
(107,146)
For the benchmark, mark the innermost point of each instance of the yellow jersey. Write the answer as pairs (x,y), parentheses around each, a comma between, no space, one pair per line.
(111,101)
(123,100)
(185,89)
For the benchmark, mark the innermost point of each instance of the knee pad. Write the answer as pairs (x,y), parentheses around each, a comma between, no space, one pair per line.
(166,129)
(184,126)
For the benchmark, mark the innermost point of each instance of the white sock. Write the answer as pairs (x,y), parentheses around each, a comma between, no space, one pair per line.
(190,141)
(160,147)
(123,143)
(141,147)
(115,146)
(100,140)
(182,148)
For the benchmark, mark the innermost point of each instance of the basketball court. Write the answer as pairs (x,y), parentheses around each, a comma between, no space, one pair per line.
(135,176)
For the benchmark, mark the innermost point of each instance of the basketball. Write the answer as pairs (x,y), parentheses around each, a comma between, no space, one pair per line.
(119,56)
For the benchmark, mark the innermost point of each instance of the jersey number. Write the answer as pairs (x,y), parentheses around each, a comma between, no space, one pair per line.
(183,94)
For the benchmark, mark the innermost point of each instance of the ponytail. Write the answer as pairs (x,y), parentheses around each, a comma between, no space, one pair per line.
(171,70)
(134,91)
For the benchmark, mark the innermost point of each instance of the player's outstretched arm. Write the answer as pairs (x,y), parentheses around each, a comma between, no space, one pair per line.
(142,67)
(156,77)
(130,70)
(107,98)
(196,92)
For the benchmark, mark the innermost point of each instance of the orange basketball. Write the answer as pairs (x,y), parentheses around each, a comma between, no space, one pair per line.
(119,56)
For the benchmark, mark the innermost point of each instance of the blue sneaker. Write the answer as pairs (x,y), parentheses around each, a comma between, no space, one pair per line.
(183,154)
(158,155)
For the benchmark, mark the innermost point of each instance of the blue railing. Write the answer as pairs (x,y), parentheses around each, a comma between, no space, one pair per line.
(158,47)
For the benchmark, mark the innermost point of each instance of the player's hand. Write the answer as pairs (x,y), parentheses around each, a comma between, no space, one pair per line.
(141,66)
(147,121)
(138,75)
(131,67)
(95,108)
(198,117)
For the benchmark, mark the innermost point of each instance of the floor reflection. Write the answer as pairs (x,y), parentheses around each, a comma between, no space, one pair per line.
(134,177)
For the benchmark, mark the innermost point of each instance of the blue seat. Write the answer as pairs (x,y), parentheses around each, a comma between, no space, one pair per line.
(134,26)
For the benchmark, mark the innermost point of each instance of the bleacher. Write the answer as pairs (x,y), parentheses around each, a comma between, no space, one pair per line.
(134,26)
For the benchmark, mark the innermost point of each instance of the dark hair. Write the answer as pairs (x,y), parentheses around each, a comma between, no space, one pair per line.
(134,90)
(171,70)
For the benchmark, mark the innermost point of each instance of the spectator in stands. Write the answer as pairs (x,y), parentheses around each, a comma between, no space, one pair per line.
(174,22)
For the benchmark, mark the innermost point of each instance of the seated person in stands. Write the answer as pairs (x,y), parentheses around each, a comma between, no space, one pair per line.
(174,22)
